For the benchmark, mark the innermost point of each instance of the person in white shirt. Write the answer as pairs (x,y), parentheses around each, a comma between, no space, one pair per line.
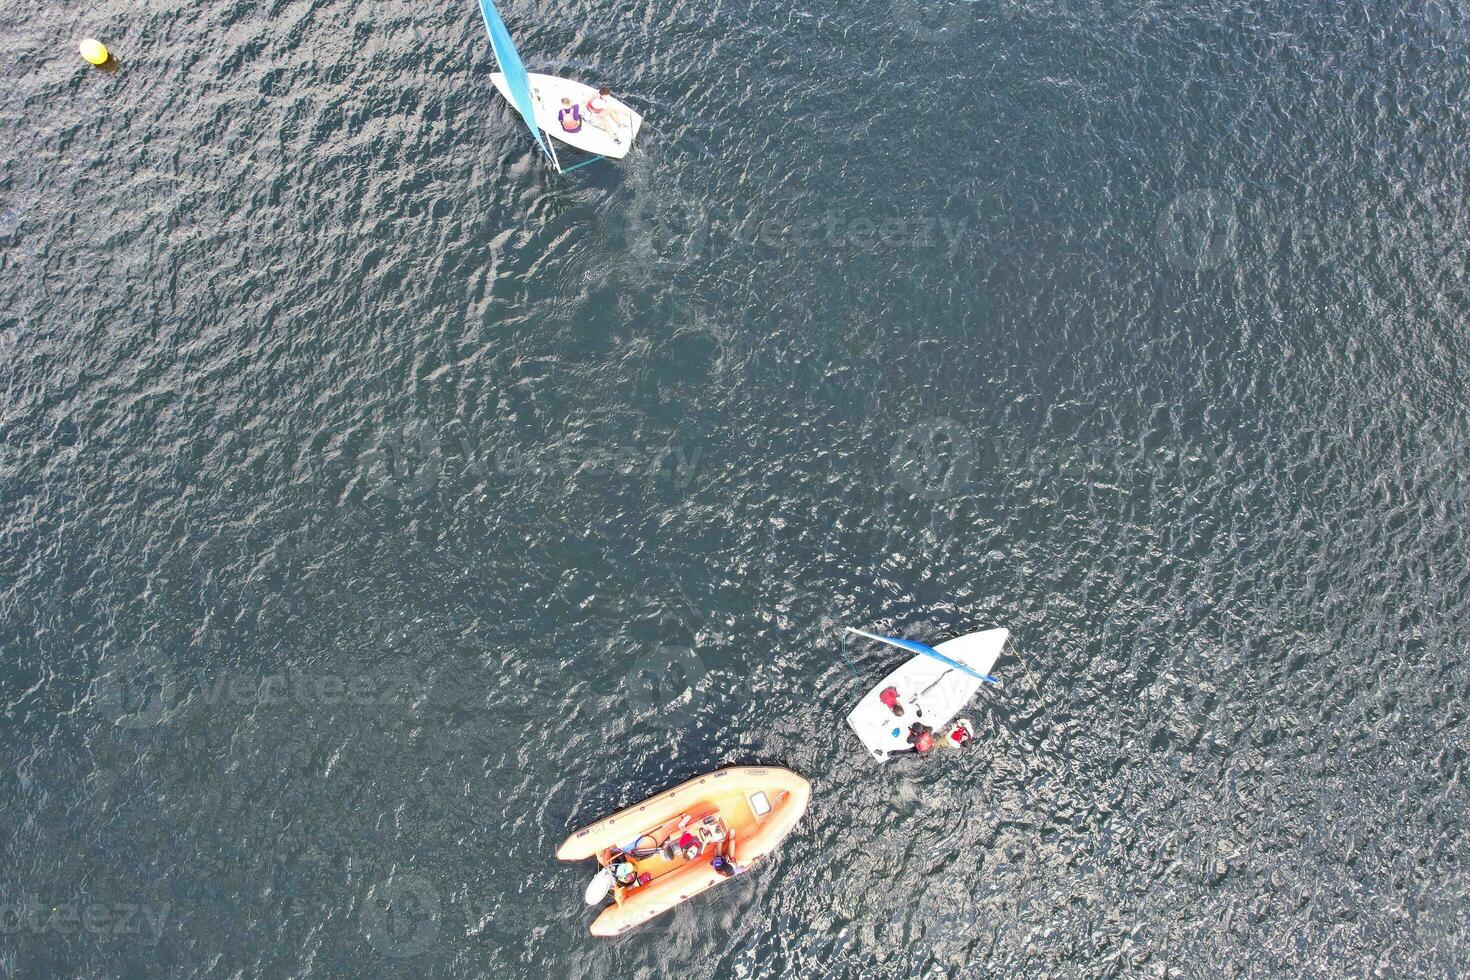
(602,114)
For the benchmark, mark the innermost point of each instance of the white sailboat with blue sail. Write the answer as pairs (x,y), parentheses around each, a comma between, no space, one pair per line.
(930,688)
(578,115)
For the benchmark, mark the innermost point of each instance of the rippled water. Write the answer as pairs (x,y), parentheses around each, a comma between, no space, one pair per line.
(378,506)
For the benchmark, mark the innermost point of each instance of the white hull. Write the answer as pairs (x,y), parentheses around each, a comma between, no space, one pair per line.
(547,91)
(929,690)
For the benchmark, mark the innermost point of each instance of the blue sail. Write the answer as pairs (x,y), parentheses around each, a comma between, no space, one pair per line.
(516,80)
(927,651)
(913,645)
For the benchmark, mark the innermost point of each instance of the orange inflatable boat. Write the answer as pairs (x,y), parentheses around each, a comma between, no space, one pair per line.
(669,848)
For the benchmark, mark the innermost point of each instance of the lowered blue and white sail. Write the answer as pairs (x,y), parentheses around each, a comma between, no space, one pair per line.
(517,83)
(928,651)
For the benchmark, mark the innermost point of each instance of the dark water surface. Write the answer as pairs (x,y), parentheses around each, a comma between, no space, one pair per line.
(377,506)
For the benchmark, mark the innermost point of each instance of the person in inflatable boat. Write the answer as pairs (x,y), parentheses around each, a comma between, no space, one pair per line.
(623,872)
(724,863)
(691,843)
(690,846)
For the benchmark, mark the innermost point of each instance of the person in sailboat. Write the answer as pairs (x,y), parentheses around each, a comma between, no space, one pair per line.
(959,735)
(920,739)
(570,116)
(602,114)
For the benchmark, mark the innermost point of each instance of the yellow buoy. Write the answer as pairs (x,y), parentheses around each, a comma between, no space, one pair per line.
(95,52)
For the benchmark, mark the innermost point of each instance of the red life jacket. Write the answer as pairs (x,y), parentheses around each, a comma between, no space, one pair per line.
(924,742)
(889,697)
